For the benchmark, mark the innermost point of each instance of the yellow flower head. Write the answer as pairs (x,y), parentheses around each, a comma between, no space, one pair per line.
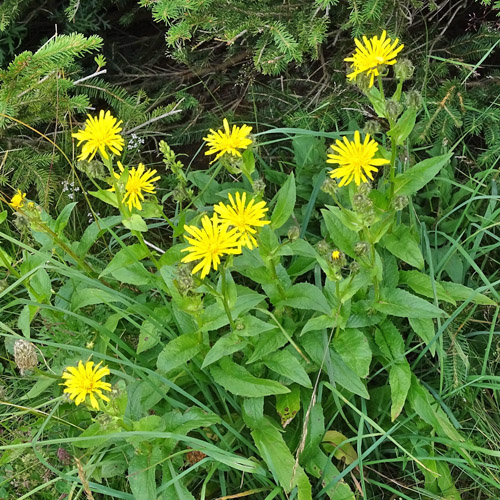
(356,160)
(227,140)
(139,181)
(17,200)
(336,255)
(245,218)
(85,380)
(100,133)
(210,243)
(372,54)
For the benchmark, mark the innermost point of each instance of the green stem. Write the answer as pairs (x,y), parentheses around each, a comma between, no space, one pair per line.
(381,86)
(392,172)
(225,301)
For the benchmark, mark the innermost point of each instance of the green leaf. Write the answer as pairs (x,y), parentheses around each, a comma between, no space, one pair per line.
(403,304)
(346,377)
(402,244)
(422,284)
(108,197)
(400,382)
(354,349)
(250,326)
(3,216)
(125,266)
(135,223)
(286,364)
(461,293)
(94,231)
(390,341)
(279,459)
(318,323)
(5,258)
(141,477)
(63,218)
(306,296)
(424,328)
(237,380)
(224,346)
(377,101)
(288,405)
(349,219)
(416,177)
(285,203)
(178,351)
(403,126)
(334,440)
(344,239)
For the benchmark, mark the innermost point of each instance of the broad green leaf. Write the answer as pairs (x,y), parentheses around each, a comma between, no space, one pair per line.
(92,296)
(403,245)
(141,476)
(135,223)
(377,101)
(237,380)
(285,363)
(105,196)
(63,217)
(266,343)
(279,459)
(94,231)
(3,216)
(176,489)
(41,286)
(424,328)
(306,296)
(99,430)
(354,349)
(149,336)
(390,341)
(461,293)
(334,440)
(250,326)
(403,126)
(346,377)
(349,219)
(318,323)
(285,203)
(397,302)
(400,382)
(288,405)
(178,351)
(5,258)
(344,239)
(416,177)
(125,266)
(42,384)
(224,346)
(422,284)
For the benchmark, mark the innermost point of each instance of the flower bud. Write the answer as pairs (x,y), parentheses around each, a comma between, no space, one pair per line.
(293,233)
(259,187)
(354,267)
(403,69)
(185,281)
(329,186)
(363,82)
(372,127)
(365,188)
(400,202)
(414,99)
(323,248)
(25,355)
(361,248)
(393,109)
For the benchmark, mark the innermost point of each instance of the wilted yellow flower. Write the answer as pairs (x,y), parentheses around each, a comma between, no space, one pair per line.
(227,140)
(356,160)
(85,380)
(100,133)
(210,243)
(372,54)
(17,200)
(139,181)
(245,218)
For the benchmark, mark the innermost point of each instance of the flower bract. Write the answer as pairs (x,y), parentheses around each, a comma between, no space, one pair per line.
(244,217)
(85,380)
(228,141)
(209,243)
(372,54)
(356,159)
(101,134)
(17,200)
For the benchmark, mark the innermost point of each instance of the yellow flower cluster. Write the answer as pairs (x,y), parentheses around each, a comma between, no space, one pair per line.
(102,133)
(232,227)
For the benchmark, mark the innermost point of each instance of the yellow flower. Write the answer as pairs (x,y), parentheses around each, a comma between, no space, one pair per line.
(85,380)
(356,160)
(139,180)
(372,54)
(245,218)
(210,243)
(17,200)
(336,255)
(228,141)
(100,133)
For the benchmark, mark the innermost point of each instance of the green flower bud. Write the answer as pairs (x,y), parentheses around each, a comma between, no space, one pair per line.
(361,248)
(400,202)
(25,356)
(414,99)
(354,267)
(403,69)
(259,187)
(329,186)
(365,188)
(372,127)
(323,248)
(185,282)
(293,233)
(363,82)
(393,109)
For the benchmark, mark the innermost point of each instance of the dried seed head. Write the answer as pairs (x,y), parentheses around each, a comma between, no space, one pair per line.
(25,355)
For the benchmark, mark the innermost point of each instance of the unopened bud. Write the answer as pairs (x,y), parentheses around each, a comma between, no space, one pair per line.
(323,248)
(185,281)
(372,127)
(293,233)
(400,202)
(329,186)
(25,355)
(259,187)
(361,248)
(403,69)
(393,109)
(354,267)
(363,82)
(414,99)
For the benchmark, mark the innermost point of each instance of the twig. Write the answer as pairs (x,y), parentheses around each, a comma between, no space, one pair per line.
(156,118)
(88,77)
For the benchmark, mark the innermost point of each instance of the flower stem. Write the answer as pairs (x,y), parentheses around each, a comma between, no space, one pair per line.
(381,86)
(225,301)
